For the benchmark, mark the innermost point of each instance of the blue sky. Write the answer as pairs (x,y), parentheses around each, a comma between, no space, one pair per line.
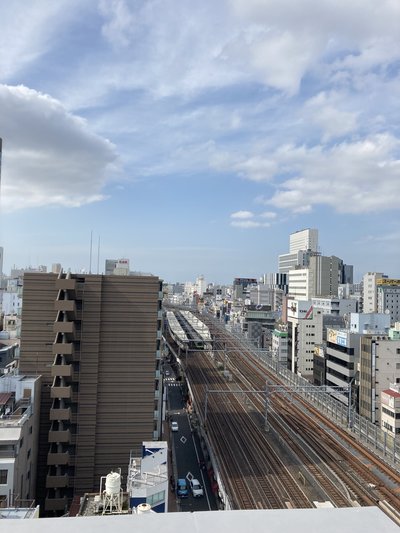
(194,137)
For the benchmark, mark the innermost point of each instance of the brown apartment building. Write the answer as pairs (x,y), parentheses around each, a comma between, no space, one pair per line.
(96,341)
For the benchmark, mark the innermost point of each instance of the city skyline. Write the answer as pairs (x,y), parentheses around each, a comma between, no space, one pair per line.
(193,139)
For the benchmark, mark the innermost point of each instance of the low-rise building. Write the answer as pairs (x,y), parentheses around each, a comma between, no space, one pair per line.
(335,306)
(342,355)
(280,344)
(19,426)
(148,477)
(389,298)
(379,367)
(390,409)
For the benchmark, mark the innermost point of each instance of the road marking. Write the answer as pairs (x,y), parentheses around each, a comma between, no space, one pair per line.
(201,473)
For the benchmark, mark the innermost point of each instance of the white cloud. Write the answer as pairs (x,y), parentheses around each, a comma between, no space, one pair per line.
(27,30)
(120,22)
(256,168)
(326,111)
(352,177)
(248,224)
(245,219)
(269,214)
(50,157)
(242,214)
(298,37)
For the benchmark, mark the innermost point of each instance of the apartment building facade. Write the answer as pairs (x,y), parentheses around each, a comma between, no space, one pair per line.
(96,341)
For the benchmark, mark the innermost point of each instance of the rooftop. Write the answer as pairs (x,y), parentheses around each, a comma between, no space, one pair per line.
(328,520)
(391,392)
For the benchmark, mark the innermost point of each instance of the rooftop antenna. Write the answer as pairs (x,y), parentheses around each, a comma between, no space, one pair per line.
(91,248)
(98,254)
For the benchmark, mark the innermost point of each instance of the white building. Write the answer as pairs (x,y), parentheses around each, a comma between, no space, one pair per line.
(306,239)
(300,284)
(11,303)
(305,332)
(370,291)
(378,323)
(300,243)
(389,298)
(280,345)
(261,294)
(334,306)
(390,409)
(19,426)
(200,285)
(148,477)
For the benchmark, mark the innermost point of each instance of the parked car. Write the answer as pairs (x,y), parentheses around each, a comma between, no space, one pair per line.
(182,489)
(196,488)
(174,426)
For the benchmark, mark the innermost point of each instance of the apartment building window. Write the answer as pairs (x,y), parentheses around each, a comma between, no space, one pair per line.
(3,477)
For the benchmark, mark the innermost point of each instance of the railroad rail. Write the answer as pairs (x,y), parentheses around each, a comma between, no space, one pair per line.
(256,473)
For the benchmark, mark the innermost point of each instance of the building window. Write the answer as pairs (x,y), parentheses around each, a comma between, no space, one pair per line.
(3,477)
(156,498)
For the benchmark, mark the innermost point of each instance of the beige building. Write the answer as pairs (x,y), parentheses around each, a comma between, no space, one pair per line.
(379,367)
(96,341)
(320,278)
(305,326)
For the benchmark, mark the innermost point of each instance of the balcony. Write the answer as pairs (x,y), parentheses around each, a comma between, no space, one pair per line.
(67,306)
(64,327)
(63,284)
(339,368)
(61,392)
(60,436)
(61,458)
(60,414)
(64,371)
(63,348)
(55,482)
(56,504)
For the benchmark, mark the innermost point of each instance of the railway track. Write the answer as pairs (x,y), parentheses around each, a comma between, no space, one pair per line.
(255,475)
(253,472)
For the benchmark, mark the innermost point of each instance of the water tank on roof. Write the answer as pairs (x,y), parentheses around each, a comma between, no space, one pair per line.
(113,483)
(143,508)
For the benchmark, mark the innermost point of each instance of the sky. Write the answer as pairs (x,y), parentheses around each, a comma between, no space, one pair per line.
(194,137)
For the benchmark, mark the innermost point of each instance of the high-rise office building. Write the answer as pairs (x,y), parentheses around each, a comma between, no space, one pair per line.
(306,239)
(320,278)
(301,244)
(96,342)
(370,291)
